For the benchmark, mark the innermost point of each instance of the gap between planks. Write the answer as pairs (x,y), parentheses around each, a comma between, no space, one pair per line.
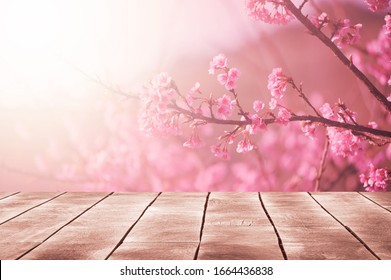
(66,224)
(280,244)
(33,207)
(346,227)
(132,226)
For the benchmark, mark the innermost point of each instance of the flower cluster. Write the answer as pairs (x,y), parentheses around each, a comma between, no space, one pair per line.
(375,179)
(269,11)
(156,116)
(229,76)
(379,52)
(375,5)
(321,21)
(346,34)
(342,141)
(225,106)
(277,82)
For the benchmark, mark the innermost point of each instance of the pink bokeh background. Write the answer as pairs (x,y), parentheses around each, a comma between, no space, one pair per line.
(60,130)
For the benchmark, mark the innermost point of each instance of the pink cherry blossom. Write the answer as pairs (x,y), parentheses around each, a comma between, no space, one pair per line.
(387,25)
(308,128)
(244,145)
(257,124)
(196,88)
(346,34)
(343,142)
(283,116)
(269,11)
(156,117)
(373,125)
(194,142)
(220,152)
(320,21)
(224,107)
(375,179)
(380,51)
(375,5)
(218,62)
(326,111)
(258,105)
(272,104)
(229,79)
(277,82)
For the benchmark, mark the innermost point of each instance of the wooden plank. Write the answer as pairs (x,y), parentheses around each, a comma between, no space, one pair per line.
(6,194)
(370,222)
(381,198)
(160,251)
(15,205)
(24,232)
(236,227)
(94,234)
(309,232)
(169,229)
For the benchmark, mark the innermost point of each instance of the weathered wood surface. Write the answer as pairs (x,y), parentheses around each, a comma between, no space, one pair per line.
(195,225)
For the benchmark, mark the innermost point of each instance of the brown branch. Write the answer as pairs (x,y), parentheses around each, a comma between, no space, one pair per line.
(309,118)
(238,105)
(322,37)
(302,95)
(322,165)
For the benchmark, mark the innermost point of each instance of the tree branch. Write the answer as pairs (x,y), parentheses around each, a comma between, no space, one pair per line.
(309,118)
(322,37)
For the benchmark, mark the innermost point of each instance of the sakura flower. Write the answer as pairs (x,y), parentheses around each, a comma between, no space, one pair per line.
(375,179)
(373,125)
(224,107)
(258,105)
(308,128)
(218,62)
(320,21)
(194,141)
(283,116)
(277,82)
(380,50)
(326,111)
(387,25)
(229,79)
(220,152)
(273,104)
(155,116)
(375,5)
(269,11)
(244,145)
(257,124)
(194,90)
(343,142)
(346,34)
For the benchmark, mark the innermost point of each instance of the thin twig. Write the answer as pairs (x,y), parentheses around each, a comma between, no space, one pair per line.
(322,165)
(302,95)
(322,37)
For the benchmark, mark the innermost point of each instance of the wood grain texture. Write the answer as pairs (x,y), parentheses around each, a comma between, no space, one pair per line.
(187,226)
(6,194)
(17,204)
(30,229)
(174,218)
(95,233)
(309,232)
(381,198)
(370,222)
(236,227)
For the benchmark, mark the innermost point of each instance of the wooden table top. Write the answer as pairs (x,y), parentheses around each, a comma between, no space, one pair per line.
(187,226)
